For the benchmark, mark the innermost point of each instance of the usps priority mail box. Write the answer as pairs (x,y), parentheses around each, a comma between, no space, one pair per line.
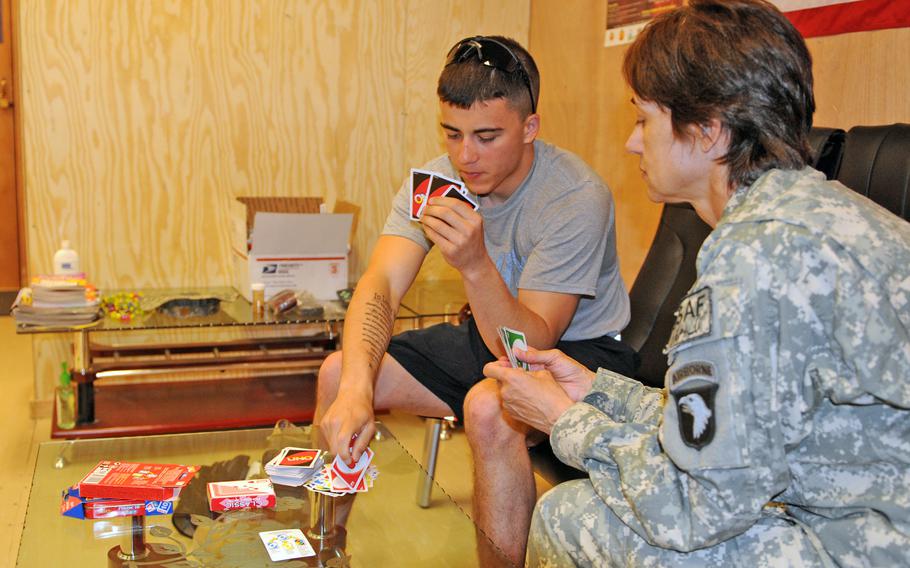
(301,251)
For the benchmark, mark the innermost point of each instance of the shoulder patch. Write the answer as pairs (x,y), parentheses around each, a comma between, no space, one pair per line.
(693,387)
(693,318)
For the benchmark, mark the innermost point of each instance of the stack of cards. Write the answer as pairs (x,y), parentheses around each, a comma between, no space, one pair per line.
(511,338)
(294,466)
(339,478)
(425,185)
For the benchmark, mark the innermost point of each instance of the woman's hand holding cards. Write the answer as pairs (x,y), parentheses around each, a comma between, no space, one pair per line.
(572,376)
(539,397)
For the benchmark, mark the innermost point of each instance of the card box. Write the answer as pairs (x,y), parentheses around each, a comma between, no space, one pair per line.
(78,507)
(131,480)
(244,494)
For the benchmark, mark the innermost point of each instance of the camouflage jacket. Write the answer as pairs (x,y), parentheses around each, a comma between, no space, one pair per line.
(789,381)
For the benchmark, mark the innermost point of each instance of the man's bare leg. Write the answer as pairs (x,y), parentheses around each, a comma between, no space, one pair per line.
(504,490)
(395,389)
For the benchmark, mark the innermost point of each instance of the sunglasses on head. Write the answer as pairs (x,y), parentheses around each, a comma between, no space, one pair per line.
(492,54)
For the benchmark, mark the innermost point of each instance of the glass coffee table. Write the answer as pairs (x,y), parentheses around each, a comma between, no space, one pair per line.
(385,526)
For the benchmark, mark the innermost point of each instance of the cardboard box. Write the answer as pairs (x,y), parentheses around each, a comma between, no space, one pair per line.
(139,481)
(244,494)
(78,507)
(297,251)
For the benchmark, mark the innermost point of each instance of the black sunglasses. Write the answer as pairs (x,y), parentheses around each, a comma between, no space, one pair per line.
(492,54)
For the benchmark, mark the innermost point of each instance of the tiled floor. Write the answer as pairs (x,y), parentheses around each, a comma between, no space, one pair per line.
(21,435)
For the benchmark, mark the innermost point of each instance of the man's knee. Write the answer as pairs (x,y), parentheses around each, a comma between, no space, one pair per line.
(483,414)
(329,377)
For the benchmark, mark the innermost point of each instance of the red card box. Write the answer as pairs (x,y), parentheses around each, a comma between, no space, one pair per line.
(129,480)
(79,507)
(246,494)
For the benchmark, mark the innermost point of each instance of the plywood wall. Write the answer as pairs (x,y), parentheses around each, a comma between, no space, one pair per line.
(860,78)
(142,120)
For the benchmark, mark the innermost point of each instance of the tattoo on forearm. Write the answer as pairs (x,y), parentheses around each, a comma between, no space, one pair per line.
(377,328)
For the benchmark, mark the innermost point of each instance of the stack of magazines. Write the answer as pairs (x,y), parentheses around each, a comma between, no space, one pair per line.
(57,301)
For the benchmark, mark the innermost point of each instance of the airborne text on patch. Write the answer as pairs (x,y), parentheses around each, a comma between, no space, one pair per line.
(693,318)
(694,369)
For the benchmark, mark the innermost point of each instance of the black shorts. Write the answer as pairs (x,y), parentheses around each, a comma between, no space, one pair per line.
(449,359)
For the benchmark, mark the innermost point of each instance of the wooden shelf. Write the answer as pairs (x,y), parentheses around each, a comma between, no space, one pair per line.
(193,406)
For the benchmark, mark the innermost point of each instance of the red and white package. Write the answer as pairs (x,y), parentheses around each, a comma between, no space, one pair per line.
(244,494)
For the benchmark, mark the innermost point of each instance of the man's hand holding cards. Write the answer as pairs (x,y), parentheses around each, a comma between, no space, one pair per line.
(340,478)
(426,185)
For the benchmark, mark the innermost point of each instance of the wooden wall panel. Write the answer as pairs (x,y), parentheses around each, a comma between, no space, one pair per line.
(860,78)
(143,120)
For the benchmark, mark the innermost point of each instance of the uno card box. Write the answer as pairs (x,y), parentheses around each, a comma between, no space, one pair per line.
(78,507)
(141,481)
(297,251)
(245,494)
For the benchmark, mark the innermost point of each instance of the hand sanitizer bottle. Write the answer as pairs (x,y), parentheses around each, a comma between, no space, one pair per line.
(66,260)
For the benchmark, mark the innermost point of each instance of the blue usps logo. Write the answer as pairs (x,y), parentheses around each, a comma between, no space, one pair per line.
(270,269)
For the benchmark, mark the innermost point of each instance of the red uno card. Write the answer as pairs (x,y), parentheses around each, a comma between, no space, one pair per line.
(420,189)
(351,475)
(441,184)
(461,196)
(298,457)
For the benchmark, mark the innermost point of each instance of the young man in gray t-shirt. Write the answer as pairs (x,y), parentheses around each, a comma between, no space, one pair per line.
(538,256)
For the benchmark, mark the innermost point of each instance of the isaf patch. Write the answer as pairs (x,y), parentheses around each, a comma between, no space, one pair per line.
(693,318)
(693,387)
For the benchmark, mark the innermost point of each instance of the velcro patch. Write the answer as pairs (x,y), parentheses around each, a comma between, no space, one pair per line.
(693,387)
(693,318)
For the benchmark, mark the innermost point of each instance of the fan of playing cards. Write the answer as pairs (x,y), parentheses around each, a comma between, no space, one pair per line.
(304,466)
(425,185)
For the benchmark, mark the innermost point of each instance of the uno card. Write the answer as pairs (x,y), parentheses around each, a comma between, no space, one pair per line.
(462,196)
(439,185)
(298,457)
(512,338)
(420,190)
(286,544)
(350,474)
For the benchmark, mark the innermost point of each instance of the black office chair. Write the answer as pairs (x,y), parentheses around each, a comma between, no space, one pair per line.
(876,163)
(664,278)
(827,149)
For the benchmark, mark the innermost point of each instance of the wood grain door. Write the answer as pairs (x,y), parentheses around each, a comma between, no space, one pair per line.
(9,203)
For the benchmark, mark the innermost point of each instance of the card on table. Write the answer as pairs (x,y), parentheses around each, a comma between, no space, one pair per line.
(513,338)
(296,458)
(286,544)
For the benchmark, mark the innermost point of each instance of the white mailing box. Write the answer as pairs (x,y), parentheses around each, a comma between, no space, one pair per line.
(299,251)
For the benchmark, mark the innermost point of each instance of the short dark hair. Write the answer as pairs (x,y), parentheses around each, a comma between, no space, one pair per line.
(739,61)
(466,82)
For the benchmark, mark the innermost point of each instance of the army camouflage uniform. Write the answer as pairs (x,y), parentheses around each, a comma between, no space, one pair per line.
(785,435)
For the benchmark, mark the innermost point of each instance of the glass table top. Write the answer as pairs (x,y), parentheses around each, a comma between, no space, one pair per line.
(385,526)
(169,308)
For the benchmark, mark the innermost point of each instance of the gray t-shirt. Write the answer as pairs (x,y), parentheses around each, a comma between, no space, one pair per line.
(554,234)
